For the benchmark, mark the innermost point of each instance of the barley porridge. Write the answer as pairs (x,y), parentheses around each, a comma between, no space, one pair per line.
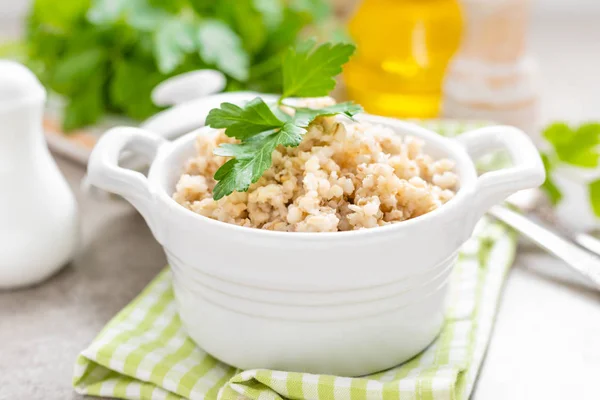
(343,176)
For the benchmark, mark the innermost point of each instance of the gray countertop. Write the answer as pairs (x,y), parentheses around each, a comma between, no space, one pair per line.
(546,341)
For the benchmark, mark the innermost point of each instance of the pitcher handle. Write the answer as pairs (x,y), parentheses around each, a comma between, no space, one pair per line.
(104,170)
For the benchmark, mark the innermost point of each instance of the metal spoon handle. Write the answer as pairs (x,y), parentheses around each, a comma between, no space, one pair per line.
(578,259)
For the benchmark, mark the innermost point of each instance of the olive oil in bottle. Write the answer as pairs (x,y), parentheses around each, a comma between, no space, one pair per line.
(403,49)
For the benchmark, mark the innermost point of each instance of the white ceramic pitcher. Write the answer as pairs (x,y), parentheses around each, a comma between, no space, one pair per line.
(38,212)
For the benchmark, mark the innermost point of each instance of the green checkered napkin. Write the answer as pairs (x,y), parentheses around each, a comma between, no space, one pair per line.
(143,353)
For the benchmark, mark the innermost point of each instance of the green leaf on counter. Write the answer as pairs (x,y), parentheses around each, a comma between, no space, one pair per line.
(594,190)
(243,123)
(577,147)
(558,134)
(220,46)
(550,188)
(584,149)
(311,72)
(554,194)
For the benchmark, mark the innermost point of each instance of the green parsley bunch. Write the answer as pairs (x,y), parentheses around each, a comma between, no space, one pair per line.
(307,72)
(105,56)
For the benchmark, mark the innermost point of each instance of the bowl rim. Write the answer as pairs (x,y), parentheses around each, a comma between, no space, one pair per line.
(464,166)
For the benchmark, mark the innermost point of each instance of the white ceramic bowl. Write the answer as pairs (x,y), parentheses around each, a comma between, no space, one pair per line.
(344,303)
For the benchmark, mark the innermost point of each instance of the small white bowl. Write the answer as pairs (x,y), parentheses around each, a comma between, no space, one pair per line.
(344,303)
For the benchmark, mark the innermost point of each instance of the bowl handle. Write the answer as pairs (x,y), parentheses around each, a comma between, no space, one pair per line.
(104,170)
(493,187)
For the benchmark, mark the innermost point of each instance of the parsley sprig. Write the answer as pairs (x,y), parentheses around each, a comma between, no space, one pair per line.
(307,72)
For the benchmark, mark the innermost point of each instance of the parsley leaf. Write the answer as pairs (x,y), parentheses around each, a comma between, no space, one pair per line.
(252,159)
(253,155)
(242,123)
(311,73)
(304,116)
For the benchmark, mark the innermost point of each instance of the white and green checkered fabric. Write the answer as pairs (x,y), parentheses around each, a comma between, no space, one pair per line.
(143,353)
